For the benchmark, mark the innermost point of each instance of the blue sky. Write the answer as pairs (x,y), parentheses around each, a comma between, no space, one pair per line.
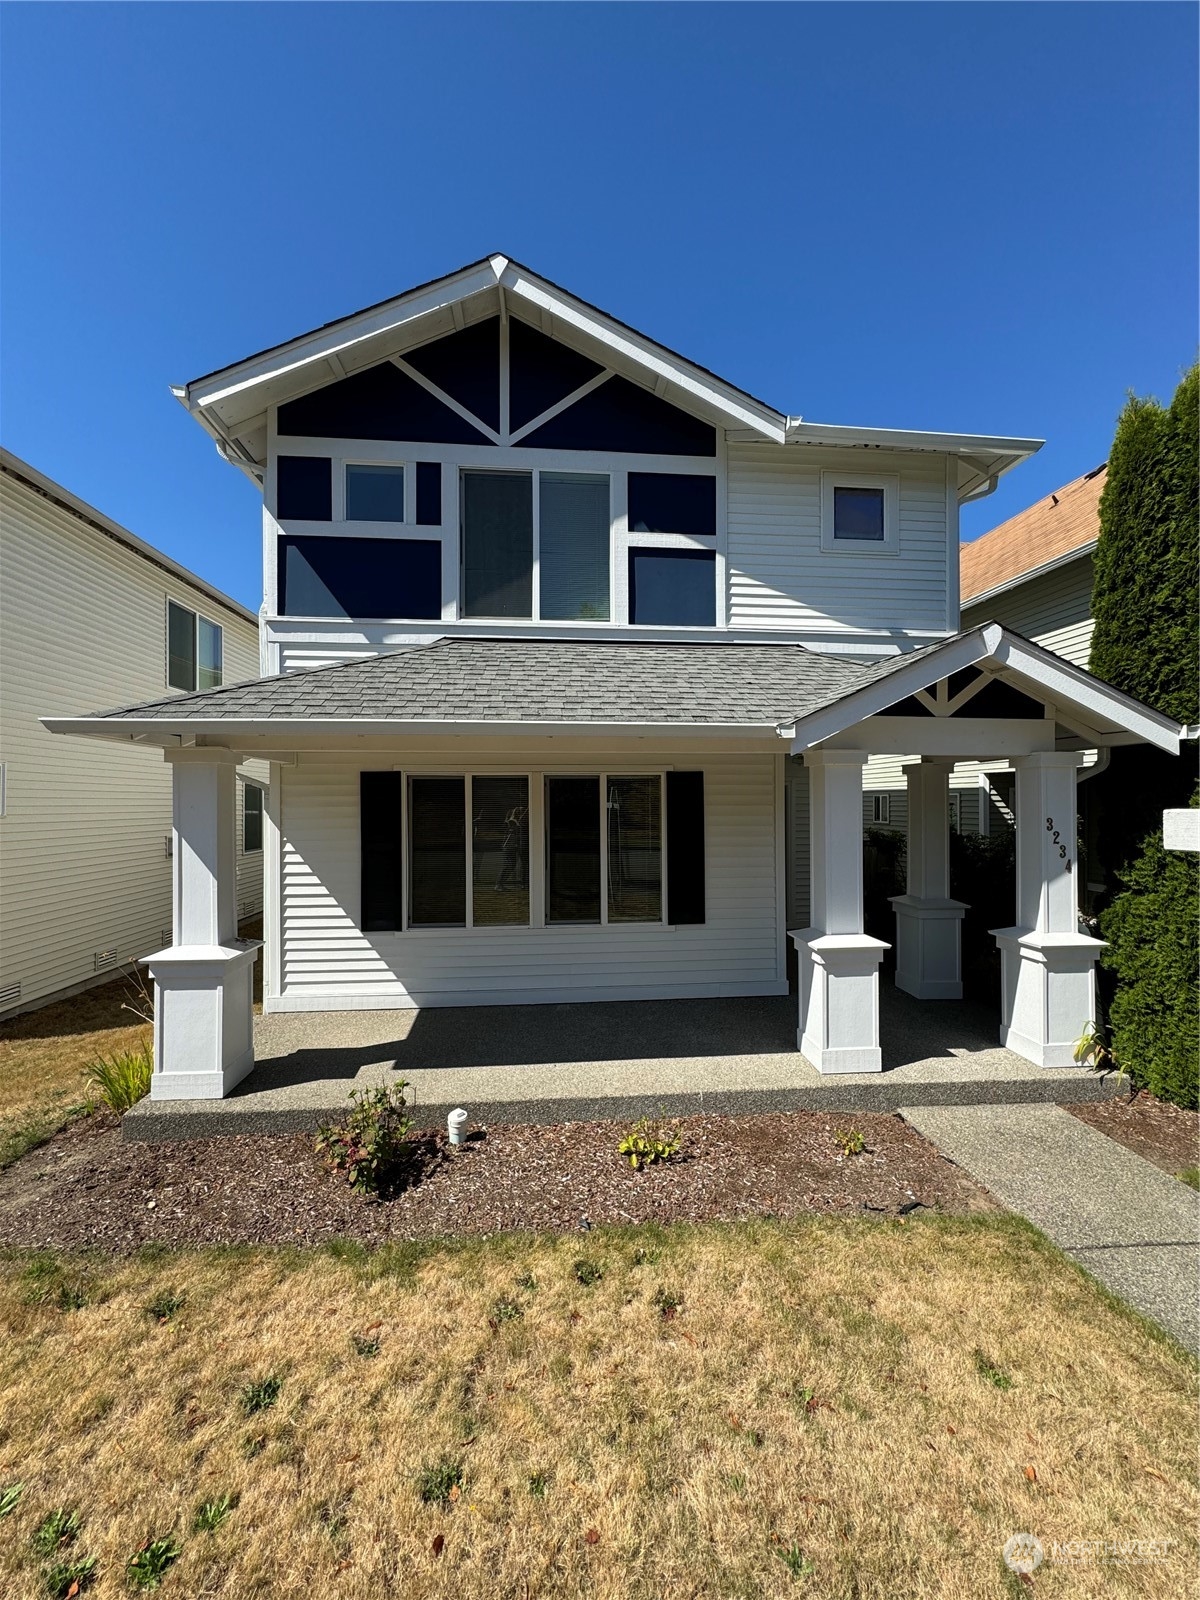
(971,217)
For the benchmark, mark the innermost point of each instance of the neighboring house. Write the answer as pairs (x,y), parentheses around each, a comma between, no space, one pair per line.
(88,611)
(581,651)
(1033,574)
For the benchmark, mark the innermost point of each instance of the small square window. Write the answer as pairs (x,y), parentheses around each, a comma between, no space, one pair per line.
(374,494)
(672,588)
(858,513)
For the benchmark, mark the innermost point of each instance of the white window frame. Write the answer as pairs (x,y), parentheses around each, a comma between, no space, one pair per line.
(198,617)
(881,810)
(889,482)
(603,779)
(341,496)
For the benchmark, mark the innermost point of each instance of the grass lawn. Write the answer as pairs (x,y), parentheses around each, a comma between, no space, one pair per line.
(822,1408)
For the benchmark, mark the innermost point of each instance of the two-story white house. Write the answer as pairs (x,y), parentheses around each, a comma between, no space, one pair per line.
(90,612)
(578,652)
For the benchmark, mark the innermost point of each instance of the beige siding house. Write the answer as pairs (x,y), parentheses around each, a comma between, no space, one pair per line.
(85,829)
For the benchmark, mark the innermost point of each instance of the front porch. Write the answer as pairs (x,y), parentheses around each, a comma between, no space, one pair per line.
(556,1063)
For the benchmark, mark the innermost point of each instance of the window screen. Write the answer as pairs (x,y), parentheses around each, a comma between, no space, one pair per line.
(181,646)
(437,860)
(573,540)
(858,514)
(672,502)
(331,577)
(210,647)
(374,494)
(572,850)
(497,544)
(252,818)
(303,488)
(674,588)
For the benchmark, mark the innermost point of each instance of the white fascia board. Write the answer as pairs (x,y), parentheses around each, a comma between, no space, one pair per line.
(738,409)
(228,731)
(1097,704)
(827,433)
(1027,577)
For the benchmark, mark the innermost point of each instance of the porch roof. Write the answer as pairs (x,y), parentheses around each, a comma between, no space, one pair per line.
(549,686)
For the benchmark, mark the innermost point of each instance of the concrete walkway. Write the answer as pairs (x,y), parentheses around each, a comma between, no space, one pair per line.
(559,1063)
(1132,1226)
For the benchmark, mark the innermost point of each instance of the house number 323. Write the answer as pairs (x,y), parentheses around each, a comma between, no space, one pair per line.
(1053,832)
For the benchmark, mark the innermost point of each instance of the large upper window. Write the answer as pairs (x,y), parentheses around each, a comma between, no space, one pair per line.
(573,546)
(860,512)
(673,588)
(195,648)
(348,577)
(497,544)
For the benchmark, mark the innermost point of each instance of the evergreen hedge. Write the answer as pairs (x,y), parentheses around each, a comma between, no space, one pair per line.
(1152,934)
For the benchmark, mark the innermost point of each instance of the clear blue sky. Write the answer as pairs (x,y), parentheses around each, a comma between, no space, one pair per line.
(960,216)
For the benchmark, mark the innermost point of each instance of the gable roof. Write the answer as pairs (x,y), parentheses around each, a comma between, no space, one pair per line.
(596,688)
(1064,524)
(232,402)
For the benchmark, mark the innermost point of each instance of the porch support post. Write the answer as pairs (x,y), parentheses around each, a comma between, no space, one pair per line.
(838,962)
(1048,982)
(203,984)
(928,931)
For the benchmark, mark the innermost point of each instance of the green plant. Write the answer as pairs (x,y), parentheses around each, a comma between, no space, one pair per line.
(371,1145)
(365,1345)
(9,1496)
(991,1373)
(121,1080)
(1093,1050)
(440,1484)
(55,1530)
(668,1302)
(538,1484)
(850,1141)
(504,1311)
(528,1282)
(796,1561)
(587,1272)
(260,1395)
(212,1513)
(147,1568)
(1190,1176)
(64,1579)
(164,1305)
(647,1142)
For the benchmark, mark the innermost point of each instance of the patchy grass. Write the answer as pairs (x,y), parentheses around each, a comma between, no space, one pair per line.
(812,1418)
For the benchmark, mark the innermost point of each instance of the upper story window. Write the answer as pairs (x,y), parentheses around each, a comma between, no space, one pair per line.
(860,512)
(194,649)
(536,544)
(374,494)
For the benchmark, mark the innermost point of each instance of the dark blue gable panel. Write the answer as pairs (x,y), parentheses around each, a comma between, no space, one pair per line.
(371,578)
(541,372)
(466,365)
(620,417)
(380,403)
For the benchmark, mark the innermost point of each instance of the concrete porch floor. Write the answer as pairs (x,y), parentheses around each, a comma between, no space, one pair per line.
(557,1063)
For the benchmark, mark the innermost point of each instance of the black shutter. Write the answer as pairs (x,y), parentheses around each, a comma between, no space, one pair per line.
(685,848)
(380,797)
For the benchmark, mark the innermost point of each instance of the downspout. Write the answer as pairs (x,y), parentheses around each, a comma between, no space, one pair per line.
(1103,757)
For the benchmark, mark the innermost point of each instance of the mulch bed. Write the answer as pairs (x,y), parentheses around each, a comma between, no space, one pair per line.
(88,1190)
(1162,1133)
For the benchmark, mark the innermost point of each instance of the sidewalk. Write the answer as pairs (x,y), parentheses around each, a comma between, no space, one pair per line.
(1131,1226)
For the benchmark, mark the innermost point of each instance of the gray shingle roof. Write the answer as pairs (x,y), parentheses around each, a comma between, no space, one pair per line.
(542,680)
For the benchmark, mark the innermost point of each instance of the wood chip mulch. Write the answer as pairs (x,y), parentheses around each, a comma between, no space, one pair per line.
(1161,1133)
(88,1190)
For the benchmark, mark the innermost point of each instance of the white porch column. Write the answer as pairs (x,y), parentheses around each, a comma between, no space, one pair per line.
(1048,982)
(203,985)
(838,962)
(928,933)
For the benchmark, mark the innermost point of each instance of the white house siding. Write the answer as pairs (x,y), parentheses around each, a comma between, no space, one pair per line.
(85,880)
(326,962)
(779,576)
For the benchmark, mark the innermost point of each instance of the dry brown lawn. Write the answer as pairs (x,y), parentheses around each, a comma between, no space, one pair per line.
(882,1404)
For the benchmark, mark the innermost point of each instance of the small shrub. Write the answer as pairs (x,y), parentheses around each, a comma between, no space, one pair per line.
(587,1272)
(991,1373)
(440,1484)
(61,1580)
(647,1142)
(212,1513)
(164,1305)
(796,1561)
(371,1146)
(261,1395)
(9,1496)
(850,1141)
(365,1345)
(538,1484)
(147,1568)
(121,1080)
(55,1530)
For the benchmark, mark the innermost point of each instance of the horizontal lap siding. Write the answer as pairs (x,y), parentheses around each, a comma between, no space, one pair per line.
(83,861)
(779,577)
(327,960)
(1054,610)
